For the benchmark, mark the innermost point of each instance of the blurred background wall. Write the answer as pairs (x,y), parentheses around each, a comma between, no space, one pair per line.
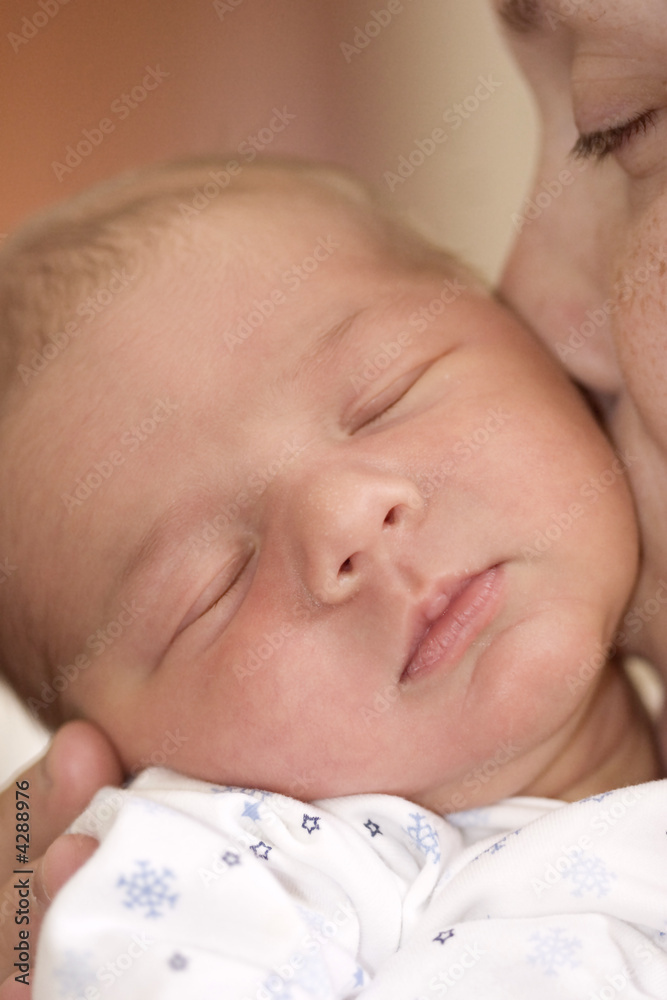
(418,96)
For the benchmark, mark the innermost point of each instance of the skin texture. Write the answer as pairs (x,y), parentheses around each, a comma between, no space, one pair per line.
(313,513)
(588,271)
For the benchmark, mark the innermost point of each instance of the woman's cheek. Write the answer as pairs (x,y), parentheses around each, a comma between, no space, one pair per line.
(640,321)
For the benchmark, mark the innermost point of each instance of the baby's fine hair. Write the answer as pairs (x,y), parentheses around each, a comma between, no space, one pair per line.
(59,262)
(56,261)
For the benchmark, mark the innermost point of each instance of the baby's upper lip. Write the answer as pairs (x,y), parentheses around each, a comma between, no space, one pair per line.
(430,610)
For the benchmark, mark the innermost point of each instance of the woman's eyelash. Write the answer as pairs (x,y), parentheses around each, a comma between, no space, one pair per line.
(598,145)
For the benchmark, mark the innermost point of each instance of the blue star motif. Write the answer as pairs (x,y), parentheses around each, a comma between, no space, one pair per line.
(310,823)
(372,828)
(251,809)
(444,936)
(261,850)
(230,858)
(178,962)
(359,977)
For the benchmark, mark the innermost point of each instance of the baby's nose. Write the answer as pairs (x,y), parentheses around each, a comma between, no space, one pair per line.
(350,523)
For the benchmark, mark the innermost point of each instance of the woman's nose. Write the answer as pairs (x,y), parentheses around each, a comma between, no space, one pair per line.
(350,524)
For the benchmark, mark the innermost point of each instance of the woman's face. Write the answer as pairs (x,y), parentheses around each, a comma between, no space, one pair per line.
(589,266)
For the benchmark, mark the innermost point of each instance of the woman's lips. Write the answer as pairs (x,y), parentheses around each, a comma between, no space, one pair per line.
(463,617)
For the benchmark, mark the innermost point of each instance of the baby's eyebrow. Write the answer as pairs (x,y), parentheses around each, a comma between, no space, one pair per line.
(522,15)
(325,345)
(164,536)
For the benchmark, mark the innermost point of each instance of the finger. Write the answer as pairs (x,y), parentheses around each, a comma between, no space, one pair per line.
(64,857)
(11,990)
(79,761)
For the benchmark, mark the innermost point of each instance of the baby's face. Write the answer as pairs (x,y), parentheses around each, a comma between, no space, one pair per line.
(363,531)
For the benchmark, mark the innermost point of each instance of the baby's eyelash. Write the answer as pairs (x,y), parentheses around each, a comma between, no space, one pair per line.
(228,590)
(598,145)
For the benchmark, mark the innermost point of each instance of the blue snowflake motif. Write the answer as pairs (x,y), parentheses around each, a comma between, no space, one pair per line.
(552,950)
(314,920)
(147,889)
(589,874)
(424,836)
(75,973)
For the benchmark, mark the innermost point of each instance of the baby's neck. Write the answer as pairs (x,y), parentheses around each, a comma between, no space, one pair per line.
(615,745)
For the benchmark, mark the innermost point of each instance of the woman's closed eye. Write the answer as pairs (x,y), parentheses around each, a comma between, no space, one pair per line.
(598,145)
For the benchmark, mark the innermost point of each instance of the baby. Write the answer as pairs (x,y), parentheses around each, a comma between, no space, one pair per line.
(300,500)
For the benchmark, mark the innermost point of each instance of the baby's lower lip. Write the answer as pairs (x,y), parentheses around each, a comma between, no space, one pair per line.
(450,635)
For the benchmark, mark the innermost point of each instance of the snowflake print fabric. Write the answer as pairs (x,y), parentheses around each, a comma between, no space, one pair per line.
(216,891)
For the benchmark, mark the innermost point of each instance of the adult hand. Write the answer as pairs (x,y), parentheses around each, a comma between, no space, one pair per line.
(79,761)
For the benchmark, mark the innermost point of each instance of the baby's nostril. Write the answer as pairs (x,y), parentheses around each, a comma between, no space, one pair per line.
(391,516)
(346,566)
